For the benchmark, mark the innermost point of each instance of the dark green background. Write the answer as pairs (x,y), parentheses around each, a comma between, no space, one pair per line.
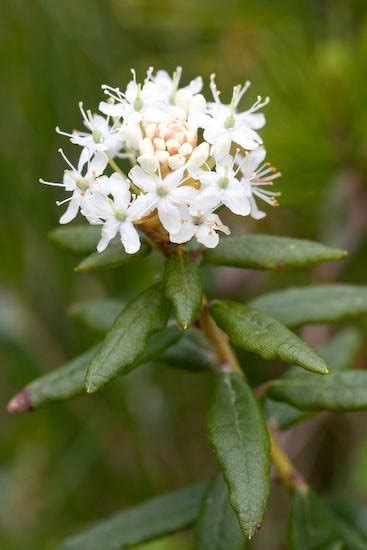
(72,464)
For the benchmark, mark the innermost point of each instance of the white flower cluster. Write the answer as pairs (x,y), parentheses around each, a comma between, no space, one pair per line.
(189,158)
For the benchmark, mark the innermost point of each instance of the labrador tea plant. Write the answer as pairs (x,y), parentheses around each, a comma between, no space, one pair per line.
(191,158)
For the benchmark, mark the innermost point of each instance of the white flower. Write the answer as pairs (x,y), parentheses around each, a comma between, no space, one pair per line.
(223,125)
(165,194)
(101,136)
(204,227)
(139,101)
(221,187)
(111,204)
(168,87)
(80,185)
(255,177)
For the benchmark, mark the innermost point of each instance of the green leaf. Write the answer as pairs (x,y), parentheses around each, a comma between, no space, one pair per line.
(239,437)
(96,315)
(154,518)
(314,525)
(256,331)
(192,353)
(126,341)
(314,304)
(59,385)
(113,256)
(268,252)
(218,527)
(340,353)
(76,239)
(342,391)
(351,516)
(69,380)
(310,526)
(183,288)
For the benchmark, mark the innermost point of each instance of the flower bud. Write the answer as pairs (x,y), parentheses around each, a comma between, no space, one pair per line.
(176,161)
(150,130)
(159,143)
(186,149)
(173,146)
(146,146)
(149,162)
(162,156)
(199,155)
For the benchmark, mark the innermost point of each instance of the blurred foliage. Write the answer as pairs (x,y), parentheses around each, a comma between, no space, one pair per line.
(75,463)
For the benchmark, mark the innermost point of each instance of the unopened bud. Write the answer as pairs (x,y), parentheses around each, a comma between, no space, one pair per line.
(150,130)
(173,146)
(146,146)
(185,149)
(176,161)
(162,156)
(149,162)
(159,143)
(199,155)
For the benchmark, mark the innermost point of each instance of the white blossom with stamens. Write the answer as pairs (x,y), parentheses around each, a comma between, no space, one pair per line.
(80,181)
(221,186)
(256,176)
(223,125)
(138,102)
(169,91)
(111,205)
(203,226)
(100,137)
(164,194)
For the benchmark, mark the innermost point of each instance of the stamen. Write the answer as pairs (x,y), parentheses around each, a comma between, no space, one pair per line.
(53,184)
(60,203)
(214,90)
(67,160)
(149,75)
(62,133)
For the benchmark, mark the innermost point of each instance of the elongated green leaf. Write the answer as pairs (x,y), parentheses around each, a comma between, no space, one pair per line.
(96,315)
(154,518)
(69,380)
(218,527)
(310,526)
(340,353)
(113,256)
(314,304)
(351,515)
(256,331)
(268,252)
(239,437)
(76,239)
(58,385)
(314,525)
(342,391)
(191,353)
(126,341)
(183,288)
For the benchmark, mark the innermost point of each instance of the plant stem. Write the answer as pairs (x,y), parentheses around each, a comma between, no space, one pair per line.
(289,475)
(228,361)
(219,341)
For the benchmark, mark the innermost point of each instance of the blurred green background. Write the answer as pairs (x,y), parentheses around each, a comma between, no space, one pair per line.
(67,466)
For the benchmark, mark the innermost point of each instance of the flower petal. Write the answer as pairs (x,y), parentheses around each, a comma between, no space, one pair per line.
(71,211)
(206,235)
(169,215)
(146,182)
(142,206)
(129,237)
(236,201)
(247,138)
(185,233)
